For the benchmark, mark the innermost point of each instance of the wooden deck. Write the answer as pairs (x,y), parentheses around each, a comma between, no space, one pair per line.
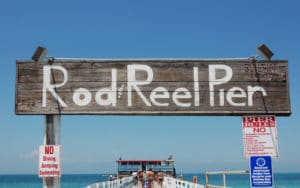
(129,182)
(155,185)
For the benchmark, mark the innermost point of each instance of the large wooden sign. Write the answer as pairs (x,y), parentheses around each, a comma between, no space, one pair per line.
(153,87)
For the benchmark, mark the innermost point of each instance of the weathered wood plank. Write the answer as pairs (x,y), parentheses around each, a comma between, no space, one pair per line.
(154,87)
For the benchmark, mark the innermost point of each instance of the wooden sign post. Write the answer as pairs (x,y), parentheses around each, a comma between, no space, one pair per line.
(52,137)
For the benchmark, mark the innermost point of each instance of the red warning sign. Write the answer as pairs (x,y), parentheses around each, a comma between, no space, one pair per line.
(260,136)
(49,161)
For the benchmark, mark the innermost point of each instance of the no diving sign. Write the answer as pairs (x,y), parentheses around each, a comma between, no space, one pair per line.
(49,161)
(261,171)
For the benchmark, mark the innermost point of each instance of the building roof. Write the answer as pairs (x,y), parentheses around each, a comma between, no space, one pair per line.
(138,161)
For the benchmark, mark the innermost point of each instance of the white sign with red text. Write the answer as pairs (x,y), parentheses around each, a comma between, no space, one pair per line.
(49,161)
(260,136)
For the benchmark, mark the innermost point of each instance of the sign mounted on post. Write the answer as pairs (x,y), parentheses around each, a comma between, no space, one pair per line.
(153,87)
(49,161)
(260,136)
(261,174)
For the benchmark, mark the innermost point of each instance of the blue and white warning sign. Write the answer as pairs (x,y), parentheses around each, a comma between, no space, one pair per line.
(261,171)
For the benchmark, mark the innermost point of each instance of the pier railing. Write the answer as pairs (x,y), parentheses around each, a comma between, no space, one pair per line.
(223,173)
(170,182)
(117,183)
(129,182)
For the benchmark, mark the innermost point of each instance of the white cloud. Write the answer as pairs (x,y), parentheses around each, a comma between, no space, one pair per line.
(30,155)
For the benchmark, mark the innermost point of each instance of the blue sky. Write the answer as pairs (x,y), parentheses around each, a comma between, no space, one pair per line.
(144,29)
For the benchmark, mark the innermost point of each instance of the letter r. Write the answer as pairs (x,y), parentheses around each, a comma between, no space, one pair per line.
(133,83)
(47,86)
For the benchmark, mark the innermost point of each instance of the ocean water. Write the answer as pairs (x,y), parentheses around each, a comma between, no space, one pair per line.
(281,180)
